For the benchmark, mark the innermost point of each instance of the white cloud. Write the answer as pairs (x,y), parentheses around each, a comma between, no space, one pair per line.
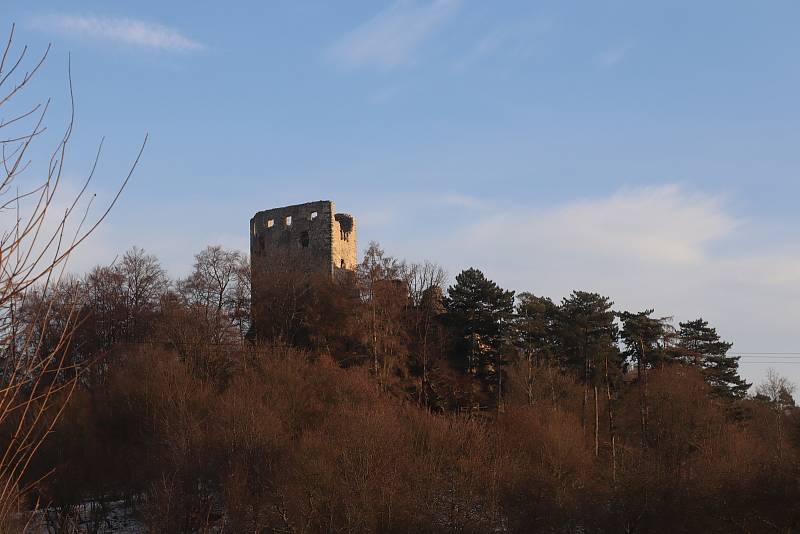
(664,227)
(612,56)
(663,224)
(518,41)
(390,39)
(462,201)
(385,95)
(128,31)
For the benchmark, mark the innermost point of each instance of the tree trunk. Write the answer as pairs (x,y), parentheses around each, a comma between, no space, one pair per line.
(585,391)
(530,377)
(643,401)
(596,426)
(375,345)
(424,393)
(611,432)
(499,371)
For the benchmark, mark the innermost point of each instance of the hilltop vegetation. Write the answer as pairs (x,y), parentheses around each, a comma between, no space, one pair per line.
(386,402)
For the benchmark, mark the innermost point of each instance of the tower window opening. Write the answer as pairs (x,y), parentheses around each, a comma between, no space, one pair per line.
(289,220)
(270,223)
(313,216)
(341,264)
(304,239)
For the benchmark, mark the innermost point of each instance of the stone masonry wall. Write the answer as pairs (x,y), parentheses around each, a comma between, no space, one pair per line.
(345,253)
(293,238)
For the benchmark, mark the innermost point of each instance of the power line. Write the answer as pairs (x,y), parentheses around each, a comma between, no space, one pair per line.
(776,356)
(765,353)
(762,362)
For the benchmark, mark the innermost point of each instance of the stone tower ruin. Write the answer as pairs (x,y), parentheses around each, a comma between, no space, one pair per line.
(310,238)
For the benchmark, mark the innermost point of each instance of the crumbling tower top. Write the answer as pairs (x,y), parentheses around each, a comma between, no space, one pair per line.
(310,238)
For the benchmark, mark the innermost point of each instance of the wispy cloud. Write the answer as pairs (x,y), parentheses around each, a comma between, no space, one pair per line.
(123,30)
(385,94)
(518,41)
(612,56)
(462,201)
(665,225)
(390,39)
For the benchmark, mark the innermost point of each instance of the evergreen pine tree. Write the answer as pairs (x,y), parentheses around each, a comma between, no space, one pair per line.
(535,337)
(481,313)
(699,344)
(587,338)
(644,338)
(535,327)
(586,331)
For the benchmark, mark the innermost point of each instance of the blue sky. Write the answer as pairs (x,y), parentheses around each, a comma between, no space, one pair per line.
(644,150)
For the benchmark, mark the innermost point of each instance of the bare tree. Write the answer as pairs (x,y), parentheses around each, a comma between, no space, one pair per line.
(36,380)
(426,282)
(103,288)
(219,288)
(384,292)
(777,390)
(422,277)
(144,281)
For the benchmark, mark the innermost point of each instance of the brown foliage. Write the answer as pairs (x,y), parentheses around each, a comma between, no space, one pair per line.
(298,444)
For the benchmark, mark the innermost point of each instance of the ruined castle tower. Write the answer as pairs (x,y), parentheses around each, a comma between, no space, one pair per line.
(310,238)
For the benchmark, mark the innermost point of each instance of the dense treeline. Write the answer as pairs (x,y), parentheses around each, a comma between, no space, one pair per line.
(386,401)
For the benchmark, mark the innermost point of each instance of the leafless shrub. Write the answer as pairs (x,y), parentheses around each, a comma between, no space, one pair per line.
(36,380)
